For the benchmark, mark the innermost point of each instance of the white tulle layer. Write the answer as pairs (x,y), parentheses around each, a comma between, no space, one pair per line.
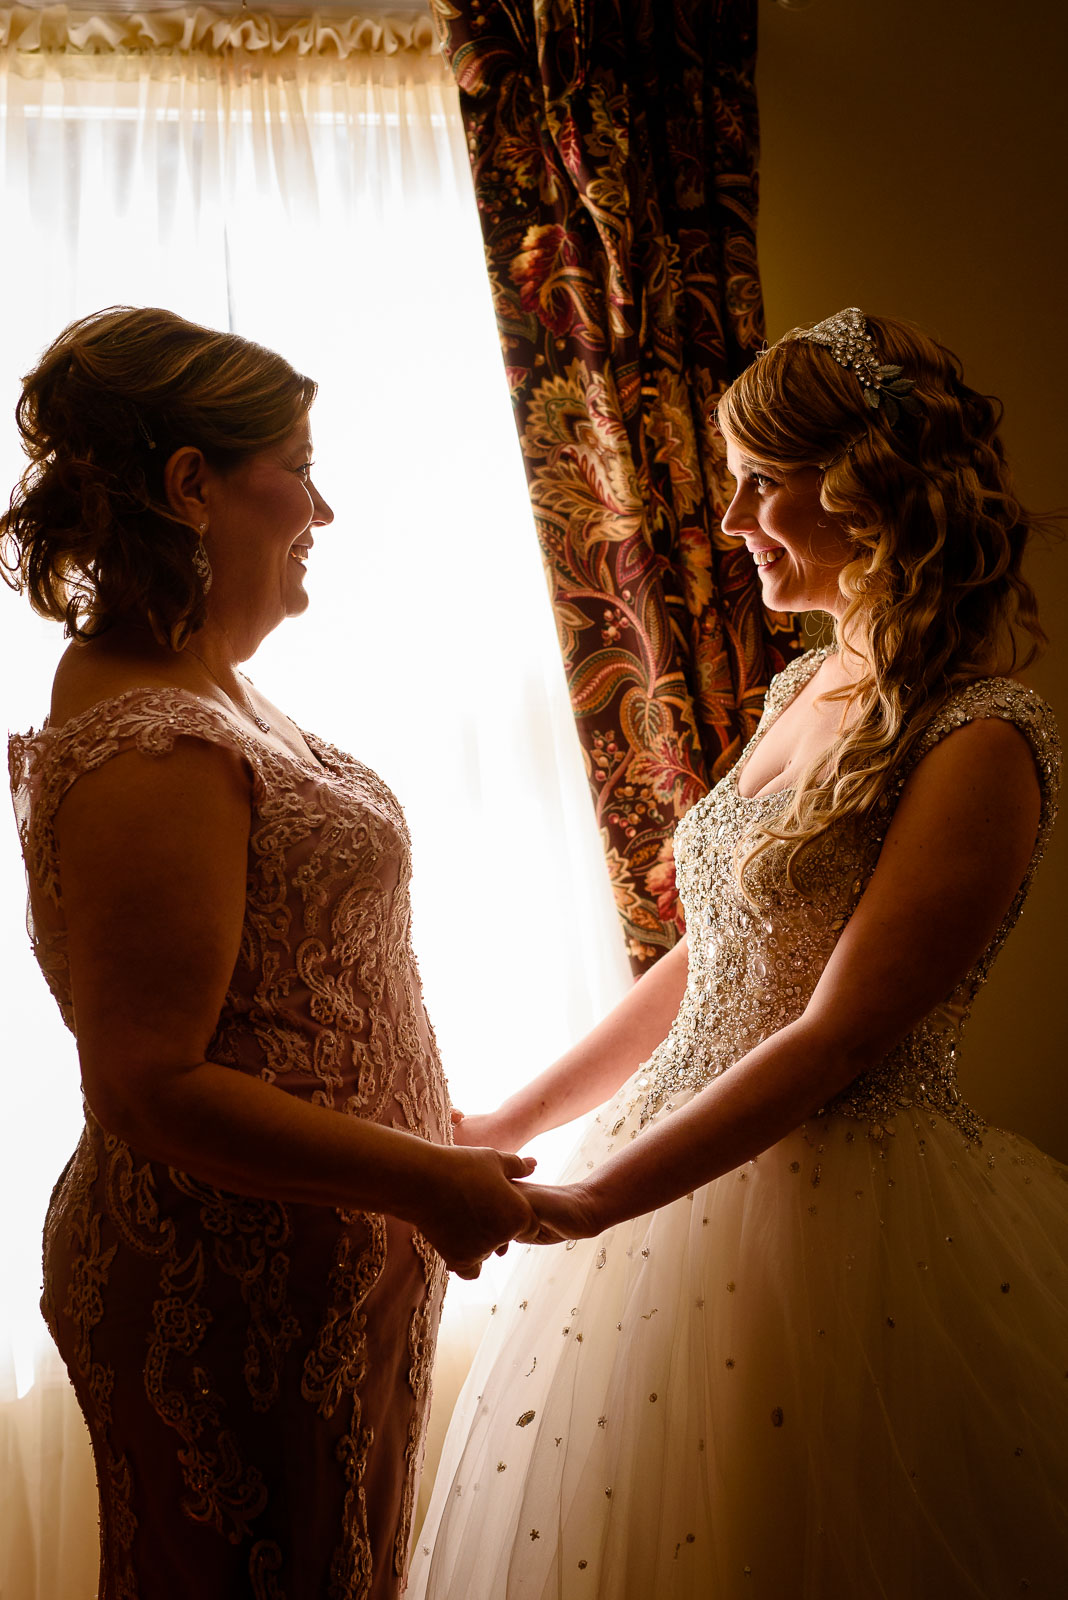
(837,1373)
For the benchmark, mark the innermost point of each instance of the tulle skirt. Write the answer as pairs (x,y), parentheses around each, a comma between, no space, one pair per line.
(836,1373)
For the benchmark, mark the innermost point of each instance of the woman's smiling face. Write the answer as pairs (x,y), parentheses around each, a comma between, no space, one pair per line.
(798,546)
(261,517)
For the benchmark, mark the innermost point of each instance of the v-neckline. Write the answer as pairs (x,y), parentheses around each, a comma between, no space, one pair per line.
(818,658)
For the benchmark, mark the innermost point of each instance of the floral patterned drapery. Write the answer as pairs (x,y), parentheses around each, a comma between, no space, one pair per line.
(613,147)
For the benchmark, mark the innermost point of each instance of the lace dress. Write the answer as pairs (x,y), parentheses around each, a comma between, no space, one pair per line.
(254,1375)
(836,1373)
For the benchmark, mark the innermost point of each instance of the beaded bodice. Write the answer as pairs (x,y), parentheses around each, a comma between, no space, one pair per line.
(754,962)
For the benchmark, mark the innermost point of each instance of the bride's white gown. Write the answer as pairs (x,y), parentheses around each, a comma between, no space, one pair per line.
(838,1372)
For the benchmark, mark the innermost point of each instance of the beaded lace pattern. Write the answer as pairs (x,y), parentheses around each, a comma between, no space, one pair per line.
(324,1002)
(753,967)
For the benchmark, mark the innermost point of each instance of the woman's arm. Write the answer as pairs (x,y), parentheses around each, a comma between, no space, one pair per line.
(153,861)
(953,858)
(592,1070)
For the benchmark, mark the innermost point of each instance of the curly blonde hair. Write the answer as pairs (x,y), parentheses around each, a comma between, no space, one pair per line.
(89,534)
(935,593)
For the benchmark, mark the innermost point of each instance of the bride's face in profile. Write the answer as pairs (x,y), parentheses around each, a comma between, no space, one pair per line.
(799,548)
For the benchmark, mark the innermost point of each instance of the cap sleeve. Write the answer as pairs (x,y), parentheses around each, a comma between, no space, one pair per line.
(1013,702)
(45,765)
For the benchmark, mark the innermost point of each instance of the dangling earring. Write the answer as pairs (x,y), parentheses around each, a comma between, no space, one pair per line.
(201,564)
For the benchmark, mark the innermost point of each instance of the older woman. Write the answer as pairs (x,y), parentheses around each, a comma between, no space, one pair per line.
(811,1339)
(245,1257)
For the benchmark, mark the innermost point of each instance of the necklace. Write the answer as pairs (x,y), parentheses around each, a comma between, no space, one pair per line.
(247,707)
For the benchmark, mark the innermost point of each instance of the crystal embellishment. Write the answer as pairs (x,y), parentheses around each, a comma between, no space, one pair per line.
(848,338)
(788,933)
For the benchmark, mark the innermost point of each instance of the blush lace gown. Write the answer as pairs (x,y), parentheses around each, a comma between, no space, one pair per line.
(837,1373)
(255,1375)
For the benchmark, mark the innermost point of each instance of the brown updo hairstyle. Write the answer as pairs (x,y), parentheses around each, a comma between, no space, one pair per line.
(935,594)
(89,535)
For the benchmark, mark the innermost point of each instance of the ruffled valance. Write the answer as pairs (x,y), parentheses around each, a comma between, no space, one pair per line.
(187,30)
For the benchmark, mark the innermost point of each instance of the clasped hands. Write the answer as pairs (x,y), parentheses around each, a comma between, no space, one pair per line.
(490,1214)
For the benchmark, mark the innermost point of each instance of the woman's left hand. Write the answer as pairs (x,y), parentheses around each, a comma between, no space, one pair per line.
(562,1212)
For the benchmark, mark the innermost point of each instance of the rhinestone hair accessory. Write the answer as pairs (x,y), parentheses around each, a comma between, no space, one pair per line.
(847,336)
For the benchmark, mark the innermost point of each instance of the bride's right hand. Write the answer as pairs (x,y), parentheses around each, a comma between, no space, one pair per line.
(477,1209)
(486,1128)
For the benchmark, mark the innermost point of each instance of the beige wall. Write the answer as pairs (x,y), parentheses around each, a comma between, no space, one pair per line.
(914,161)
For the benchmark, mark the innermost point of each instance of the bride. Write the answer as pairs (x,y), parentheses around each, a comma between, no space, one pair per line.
(808,1335)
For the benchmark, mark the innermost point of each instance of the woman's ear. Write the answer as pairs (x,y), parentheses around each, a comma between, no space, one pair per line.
(185,485)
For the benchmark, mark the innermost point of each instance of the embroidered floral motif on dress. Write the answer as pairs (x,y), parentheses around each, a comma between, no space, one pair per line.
(284,1351)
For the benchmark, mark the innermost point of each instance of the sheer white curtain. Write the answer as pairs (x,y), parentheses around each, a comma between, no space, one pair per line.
(306,185)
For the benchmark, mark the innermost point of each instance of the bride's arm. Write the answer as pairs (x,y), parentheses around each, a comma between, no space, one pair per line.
(592,1070)
(953,858)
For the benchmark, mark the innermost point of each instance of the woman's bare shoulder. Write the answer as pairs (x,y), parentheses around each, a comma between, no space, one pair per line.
(94,670)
